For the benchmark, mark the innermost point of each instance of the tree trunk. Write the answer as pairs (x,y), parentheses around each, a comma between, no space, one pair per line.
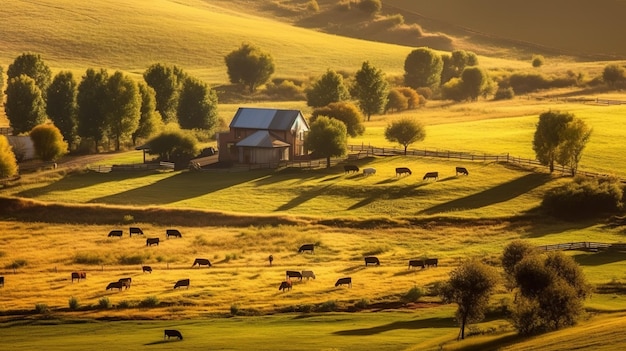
(405,147)
(328,162)
(551,166)
(463,321)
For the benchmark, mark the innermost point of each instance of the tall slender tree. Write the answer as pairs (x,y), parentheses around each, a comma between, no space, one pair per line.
(197,107)
(123,107)
(150,121)
(61,105)
(370,89)
(33,66)
(25,106)
(92,99)
(166,80)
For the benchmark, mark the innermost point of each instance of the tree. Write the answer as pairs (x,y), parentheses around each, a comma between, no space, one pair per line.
(8,162)
(475,82)
(538,61)
(613,74)
(370,89)
(33,66)
(174,146)
(48,142)
(413,97)
(470,286)
(549,135)
(25,107)
(455,63)
(514,253)
(327,138)
(405,132)
(1,84)
(62,107)
(249,66)
(197,105)
(123,107)
(166,81)
(575,138)
(346,112)
(91,99)
(371,7)
(329,88)
(150,119)
(422,68)
(396,101)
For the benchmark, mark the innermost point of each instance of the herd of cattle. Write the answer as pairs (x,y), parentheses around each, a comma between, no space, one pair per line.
(400,171)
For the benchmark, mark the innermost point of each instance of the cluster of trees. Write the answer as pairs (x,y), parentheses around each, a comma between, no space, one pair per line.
(549,289)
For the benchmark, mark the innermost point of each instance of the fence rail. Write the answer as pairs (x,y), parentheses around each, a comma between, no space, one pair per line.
(583,246)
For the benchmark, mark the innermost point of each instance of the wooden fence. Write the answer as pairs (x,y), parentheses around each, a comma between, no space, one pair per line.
(583,246)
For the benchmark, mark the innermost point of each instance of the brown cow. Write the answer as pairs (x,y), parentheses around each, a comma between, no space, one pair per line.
(126,282)
(285,285)
(403,170)
(115,285)
(173,232)
(461,170)
(113,233)
(182,282)
(1,281)
(351,168)
(433,175)
(307,247)
(78,276)
(431,262)
(146,269)
(135,230)
(344,281)
(201,262)
(293,274)
(152,241)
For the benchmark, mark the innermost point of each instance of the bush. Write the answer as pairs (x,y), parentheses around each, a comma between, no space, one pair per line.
(285,90)
(371,7)
(538,61)
(328,306)
(131,260)
(48,142)
(150,301)
(104,303)
(504,94)
(362,304)
(584,198)
(16,264)
(42,308)
(124,304)
(234,309)
(73,303)
(413,295)
(87,258)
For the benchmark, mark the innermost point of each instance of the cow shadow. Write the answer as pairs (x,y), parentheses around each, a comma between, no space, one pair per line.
(388,181)
(447,179)
(407,325)
(353,269)
(406,272)
(497,194)
(161,342)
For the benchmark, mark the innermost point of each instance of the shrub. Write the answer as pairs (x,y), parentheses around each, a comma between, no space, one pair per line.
(16,264)
(87,258)
(413,295)
(42,308)
(150,301)
(285,90)
(328,306)
(584,198)
(538,61)
(362,304)
(48,142)
(504,94)
(131,260)
(124,304)
(371,7)
(234,309)
(104,303)
(73,303)
(128,218)
(313,6)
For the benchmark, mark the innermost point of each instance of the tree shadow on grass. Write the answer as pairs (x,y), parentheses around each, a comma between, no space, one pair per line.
(497,194)
(599,258)
(390,193)
(408,325)
(181,186)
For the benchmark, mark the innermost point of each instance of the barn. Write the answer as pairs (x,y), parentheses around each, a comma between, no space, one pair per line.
(262,135)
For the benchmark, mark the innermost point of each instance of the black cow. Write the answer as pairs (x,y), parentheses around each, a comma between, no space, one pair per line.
(434,175)
(461,170)
(173,232)
(372,260)
(113,233)
(285,285)
(78,276)
(135,230)
(416,263)
(431,262)
(152,241)
(173,333)
(271,259)
(293,274)
(351,168)
(182,282)
(146,269)
(201,262)
(126,282)
(344,281)
(307,247)
(115,285)
(1,281)
(402,170)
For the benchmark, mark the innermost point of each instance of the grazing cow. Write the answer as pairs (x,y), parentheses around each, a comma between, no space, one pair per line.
(115,285)
(78,276)
(461,170)
(1,281)
(201,262)
(431,262)
(152,241)
(285,285)
(308,274)
(306,247)
(146,269)
(350,169)
(293,274)
(173,232)
(173,333)
(372,260)
(135,230)
(416,263)
(434,175)
(344,281)
(126,282)
(402,170)
(113,233)
(182,282)
(271,259)
(369,171)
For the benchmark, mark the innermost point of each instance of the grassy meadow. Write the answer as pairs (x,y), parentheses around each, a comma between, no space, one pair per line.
(58,220)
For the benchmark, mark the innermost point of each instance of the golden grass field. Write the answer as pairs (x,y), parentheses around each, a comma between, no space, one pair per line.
(237,219)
